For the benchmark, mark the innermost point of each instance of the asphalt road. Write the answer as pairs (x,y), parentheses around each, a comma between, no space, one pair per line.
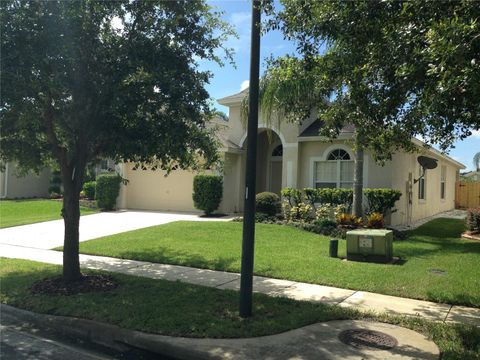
(18,342)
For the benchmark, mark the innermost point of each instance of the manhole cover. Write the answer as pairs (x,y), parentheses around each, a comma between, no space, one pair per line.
(367,339)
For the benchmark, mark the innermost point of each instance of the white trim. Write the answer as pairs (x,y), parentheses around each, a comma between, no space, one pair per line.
(344,136)
(5,187)
(332,147)
(275,130)
(289,174)
(438,153)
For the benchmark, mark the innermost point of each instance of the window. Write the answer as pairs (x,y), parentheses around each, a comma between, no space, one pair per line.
(421,184)
(335,172)
(443,182)
(278,151)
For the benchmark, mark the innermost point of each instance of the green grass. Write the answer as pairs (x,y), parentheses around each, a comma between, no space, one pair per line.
(179,309)
(21,212)
(288,253)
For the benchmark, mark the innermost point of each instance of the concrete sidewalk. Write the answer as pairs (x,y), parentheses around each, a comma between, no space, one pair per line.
(299,291)
(49,234)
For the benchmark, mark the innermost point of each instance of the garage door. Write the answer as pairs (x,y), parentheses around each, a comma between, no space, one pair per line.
(152,190)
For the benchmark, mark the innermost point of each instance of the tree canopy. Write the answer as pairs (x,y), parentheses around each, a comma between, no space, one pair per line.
(394,69)
(88,79)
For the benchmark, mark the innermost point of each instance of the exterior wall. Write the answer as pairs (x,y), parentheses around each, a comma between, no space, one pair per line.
(310,151)
(232,179)
(28,186)
(152,190)
(433,204)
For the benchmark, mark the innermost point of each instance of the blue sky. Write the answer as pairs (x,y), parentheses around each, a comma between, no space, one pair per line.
(228,80)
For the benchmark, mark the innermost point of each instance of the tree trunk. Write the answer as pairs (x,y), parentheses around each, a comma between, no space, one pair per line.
(357,208)
(71,218)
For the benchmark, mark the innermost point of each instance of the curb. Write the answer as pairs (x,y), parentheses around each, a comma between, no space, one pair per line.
(107,335)
(311,342)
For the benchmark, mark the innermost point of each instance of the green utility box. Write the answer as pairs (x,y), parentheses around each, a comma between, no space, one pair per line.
(370,245)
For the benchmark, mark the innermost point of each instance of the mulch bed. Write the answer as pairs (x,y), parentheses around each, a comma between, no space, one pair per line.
(86,284)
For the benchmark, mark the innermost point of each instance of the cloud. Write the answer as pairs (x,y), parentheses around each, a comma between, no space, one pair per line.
(244,85)
(476,134)
(241,23)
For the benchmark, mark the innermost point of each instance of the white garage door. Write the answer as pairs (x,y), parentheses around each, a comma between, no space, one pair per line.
(152,190)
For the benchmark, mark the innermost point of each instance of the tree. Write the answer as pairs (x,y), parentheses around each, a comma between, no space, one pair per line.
(476,161)
(82,80)
(394,69)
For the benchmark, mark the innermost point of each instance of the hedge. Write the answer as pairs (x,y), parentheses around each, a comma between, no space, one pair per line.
(89,189)
(381,200)
(268,203)
(107,190)
(207,192)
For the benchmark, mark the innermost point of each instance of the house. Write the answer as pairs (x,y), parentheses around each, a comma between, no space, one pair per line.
(296,156)
(14,184)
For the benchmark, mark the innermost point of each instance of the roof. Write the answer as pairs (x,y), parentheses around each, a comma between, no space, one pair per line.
(233,99)
(314,129)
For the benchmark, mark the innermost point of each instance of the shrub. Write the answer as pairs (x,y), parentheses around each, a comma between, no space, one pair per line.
(207,192)
(89,189)
(312,196)
(382,200)
(336,196)
(55,187)
(268,203)
(348,220)
(293,196)
(106,190)
(473,219)
(375,221)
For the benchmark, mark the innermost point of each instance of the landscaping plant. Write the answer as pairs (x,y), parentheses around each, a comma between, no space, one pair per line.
(473,220)
(89,189)
(382,200)
(267,203)
(375,221)
(107,190)
(207,192)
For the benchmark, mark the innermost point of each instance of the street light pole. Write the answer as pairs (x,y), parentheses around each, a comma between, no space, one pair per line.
(251,168)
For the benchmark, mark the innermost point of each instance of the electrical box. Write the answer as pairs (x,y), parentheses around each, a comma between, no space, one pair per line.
(374,245)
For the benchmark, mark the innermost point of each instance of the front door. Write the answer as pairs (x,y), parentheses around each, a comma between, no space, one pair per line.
(276,176)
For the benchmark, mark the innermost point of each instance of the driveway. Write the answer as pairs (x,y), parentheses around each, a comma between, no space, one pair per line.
(49,234)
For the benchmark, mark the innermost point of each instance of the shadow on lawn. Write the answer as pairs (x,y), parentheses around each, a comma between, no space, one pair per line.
(177,257)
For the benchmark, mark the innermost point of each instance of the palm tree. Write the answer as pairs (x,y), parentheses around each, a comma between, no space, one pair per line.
(476,161)
(292,99)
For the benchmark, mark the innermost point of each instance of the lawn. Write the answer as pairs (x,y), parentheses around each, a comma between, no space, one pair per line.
(21,212)
(179,309)
(288,253)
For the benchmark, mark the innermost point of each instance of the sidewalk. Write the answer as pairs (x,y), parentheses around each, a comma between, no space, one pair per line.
(295,290)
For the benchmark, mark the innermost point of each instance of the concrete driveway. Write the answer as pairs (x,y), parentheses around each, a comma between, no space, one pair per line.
(49,234)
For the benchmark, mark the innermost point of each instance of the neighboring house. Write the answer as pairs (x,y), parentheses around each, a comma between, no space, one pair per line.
(295,156)
(14,185)
(470,176)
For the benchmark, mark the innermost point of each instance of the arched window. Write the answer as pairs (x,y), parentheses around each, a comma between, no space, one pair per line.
(338,154)
(335,172)
(278,151)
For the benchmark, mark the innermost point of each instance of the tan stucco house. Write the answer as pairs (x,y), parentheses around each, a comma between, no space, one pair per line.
(295,156)
(14,185)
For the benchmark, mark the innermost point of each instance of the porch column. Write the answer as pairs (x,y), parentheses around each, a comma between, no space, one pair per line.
(290,165)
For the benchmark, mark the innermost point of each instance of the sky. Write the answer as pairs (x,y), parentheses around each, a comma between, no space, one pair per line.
(229,80)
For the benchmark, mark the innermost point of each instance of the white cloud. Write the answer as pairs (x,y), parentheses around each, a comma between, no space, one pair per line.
(244,85)
(476,134)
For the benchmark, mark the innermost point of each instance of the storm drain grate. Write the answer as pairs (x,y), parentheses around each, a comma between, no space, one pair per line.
(367,339)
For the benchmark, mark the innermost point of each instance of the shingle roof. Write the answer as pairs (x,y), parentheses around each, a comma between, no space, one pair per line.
(314,129)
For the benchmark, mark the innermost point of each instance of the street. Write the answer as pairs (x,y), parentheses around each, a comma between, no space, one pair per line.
(20,342)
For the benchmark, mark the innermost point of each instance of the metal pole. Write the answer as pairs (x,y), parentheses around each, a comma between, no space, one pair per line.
(250,176)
